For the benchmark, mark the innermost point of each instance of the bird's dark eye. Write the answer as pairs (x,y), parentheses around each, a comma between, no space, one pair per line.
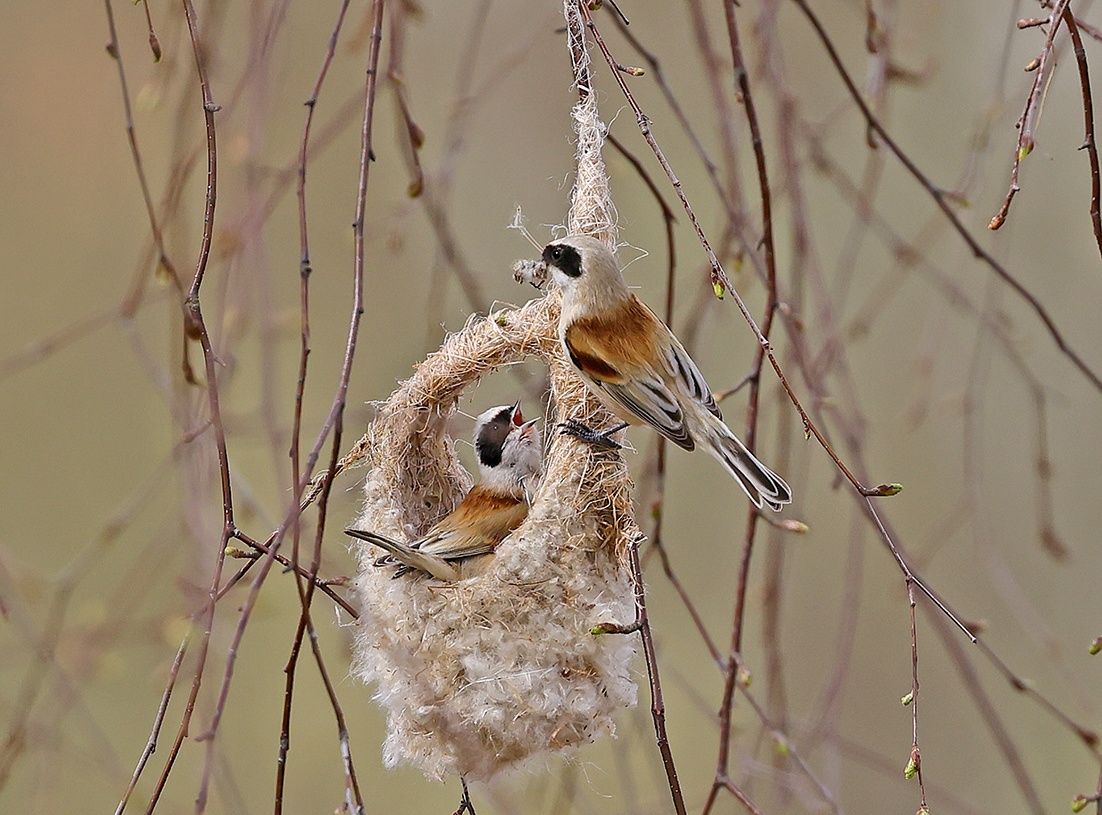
(564,257)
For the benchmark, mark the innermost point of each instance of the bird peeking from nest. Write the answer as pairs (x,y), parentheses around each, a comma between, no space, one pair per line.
(510,454)
(635,365)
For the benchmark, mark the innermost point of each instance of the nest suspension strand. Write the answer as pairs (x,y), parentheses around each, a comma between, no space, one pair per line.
(480,675)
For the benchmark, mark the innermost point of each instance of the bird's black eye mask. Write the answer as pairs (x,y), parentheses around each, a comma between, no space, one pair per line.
(491,437)
(565,258)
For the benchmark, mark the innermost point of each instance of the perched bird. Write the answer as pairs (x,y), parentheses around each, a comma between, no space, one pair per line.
(635,365)
(510,455)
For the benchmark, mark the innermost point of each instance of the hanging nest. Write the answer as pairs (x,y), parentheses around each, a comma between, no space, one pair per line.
(479,675)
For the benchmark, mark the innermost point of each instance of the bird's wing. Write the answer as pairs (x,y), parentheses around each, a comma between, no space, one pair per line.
(481,521)
(681,367)
(653,402)
(616,358)
(409,556)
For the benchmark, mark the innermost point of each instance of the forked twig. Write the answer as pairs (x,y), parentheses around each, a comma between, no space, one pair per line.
(658,707)
(1089,143)
(1029,115)
(195,326)
(943,203)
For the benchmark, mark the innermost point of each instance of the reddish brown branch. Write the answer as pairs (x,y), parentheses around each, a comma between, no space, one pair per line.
(1091,31)
(658,467)
(742,90)
(299,481)
(1088,125)
(1032,103)
(195,326)
(158,720)
(658,707)
(943,203)
(335,423)
(734,658)
(324,585)
(334,420)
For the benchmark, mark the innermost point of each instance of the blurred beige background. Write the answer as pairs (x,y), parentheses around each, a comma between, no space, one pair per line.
(108,536)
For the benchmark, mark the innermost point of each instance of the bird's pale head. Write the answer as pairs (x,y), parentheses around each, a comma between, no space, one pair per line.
(510,451)
(587,272)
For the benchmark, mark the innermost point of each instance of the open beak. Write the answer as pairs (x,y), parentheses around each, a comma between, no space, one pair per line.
(517,419)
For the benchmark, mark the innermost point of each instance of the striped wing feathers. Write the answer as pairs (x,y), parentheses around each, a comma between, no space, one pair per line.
(633,359)
(680,366)
(476,527)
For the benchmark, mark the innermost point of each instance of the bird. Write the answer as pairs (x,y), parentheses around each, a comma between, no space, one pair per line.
(634,364)
(510,456)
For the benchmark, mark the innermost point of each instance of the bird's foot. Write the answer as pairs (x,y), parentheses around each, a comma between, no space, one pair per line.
(584,432)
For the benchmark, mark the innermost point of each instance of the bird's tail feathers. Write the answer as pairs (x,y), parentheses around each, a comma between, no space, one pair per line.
(762,485)
(409,557)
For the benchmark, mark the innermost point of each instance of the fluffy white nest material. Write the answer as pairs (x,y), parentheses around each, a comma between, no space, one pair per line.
(479,675)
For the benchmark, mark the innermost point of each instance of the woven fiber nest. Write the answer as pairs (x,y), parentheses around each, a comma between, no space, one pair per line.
(480,675)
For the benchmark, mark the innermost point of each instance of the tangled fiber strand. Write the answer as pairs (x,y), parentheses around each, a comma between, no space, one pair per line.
(591,209)
(483,674)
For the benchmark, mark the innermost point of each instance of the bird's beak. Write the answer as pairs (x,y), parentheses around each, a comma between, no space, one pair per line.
(526,428)
(517,417)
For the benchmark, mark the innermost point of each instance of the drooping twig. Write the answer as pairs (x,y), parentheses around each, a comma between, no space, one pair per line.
(734,664)
(158,720)
(656,471)
(334,421)
(1032,109)
(944,205)
(658,707)
(114,49)
(914,764)
(575,14)
(353,798)
(195,326)
(1089,143)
